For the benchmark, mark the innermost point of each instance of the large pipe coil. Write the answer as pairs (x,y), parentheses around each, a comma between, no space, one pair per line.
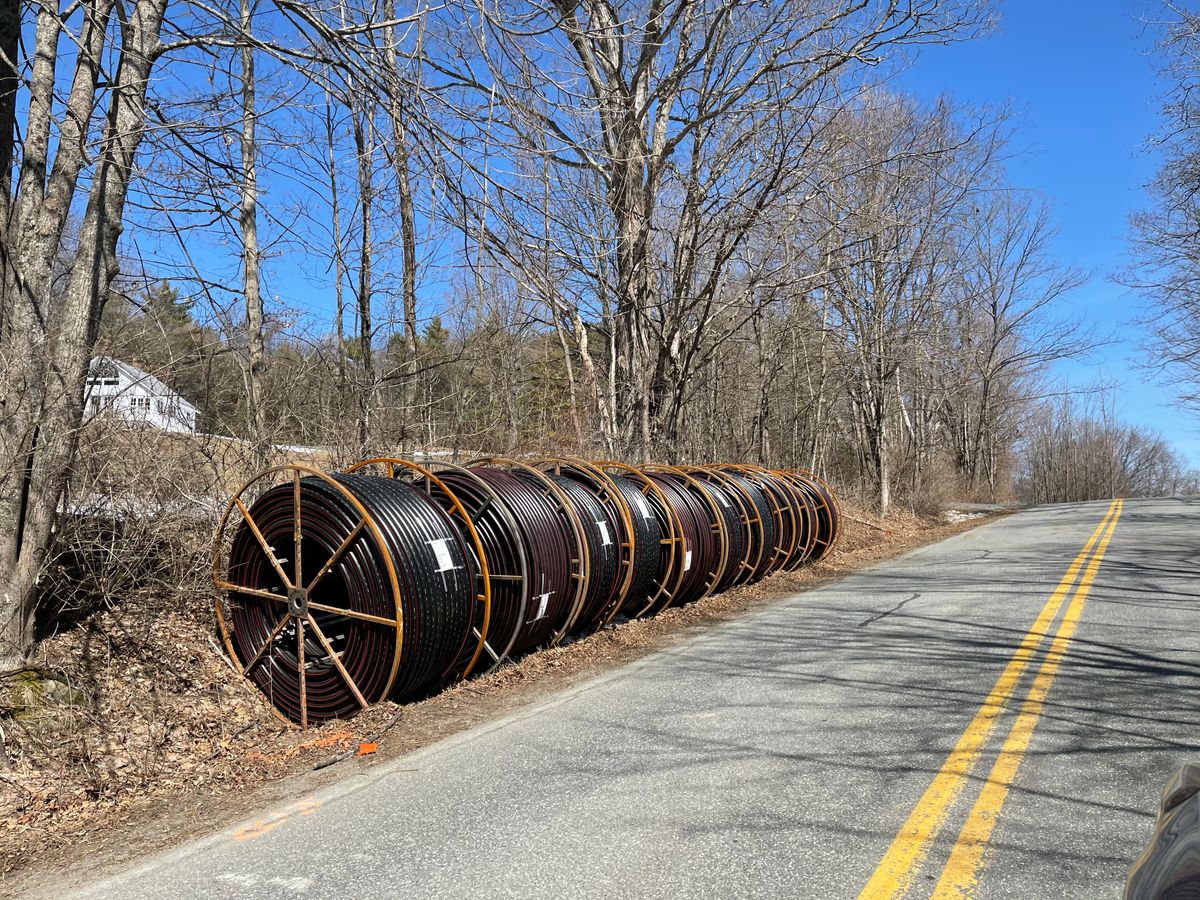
(504,563)
(827,509)
(555,543)
(763,532)
(706,548)
(739,516)
(608,521)
(658,546)
(779,501)
(796,514)
(388,581)
(344,590)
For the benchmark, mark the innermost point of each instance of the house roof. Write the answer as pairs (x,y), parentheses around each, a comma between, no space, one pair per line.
(137,376)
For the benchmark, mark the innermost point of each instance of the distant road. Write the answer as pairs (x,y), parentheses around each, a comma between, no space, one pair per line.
(994,714)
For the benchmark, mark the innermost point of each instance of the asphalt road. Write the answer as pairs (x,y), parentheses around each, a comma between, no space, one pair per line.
(926,726)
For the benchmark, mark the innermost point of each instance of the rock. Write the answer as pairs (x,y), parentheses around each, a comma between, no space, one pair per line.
(29,692)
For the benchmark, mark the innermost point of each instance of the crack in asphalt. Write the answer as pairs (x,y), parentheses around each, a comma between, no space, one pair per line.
(888,612)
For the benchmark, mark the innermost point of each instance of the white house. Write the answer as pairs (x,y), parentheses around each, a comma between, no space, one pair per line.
(117,388)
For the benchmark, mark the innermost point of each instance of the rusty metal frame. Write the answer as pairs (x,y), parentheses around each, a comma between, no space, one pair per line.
(673,577)
(390,464)
(582,574)
(292,583)
(717,524)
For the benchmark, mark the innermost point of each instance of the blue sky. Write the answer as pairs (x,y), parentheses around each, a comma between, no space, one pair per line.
(1080,78)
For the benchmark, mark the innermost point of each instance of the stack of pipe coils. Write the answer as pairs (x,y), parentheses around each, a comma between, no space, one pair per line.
(392,579)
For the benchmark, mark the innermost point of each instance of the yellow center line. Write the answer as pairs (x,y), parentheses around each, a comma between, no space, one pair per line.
(895,873)
(961,874)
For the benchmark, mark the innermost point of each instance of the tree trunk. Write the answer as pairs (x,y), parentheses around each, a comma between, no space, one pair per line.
(339,260)
(635,377)
(256,357)
(364,145)
(10,41)
(401,155)
(591,381)
(882,472)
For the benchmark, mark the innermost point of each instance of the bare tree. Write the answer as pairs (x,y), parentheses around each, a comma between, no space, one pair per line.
(248,222)
(46,341)
(10,40)
(85,119)
(1005,327)
(1166,236)
(1077,450)
(912,172)
(693,119)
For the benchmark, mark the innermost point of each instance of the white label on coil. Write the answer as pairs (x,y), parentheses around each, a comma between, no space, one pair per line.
(721,498)
(605,540)
(642,505)
(687,561)
(543,602)
(441,550)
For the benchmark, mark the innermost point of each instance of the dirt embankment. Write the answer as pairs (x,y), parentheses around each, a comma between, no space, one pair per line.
(157,738)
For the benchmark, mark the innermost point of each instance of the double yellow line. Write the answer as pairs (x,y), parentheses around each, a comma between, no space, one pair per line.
(903,861)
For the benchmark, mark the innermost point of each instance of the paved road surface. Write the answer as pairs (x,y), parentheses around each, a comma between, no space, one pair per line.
(901,730)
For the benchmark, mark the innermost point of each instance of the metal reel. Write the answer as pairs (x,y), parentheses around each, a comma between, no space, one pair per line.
(672,575)
(782,513)
(716,523)
(828,505)
(747,514)
(299,616)
(615,503)
(396,467)
(579,562)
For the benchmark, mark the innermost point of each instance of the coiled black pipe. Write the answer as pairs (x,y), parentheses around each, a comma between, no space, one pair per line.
(748,518)
(702,552)
(808,536)
(731,506)
(805,507)
(437,571)
(763,535)
(354,640)
(786,534)
(719,518)
(344,590)
(618,525)
(793,513)
(602,534)
(828,512)
(550,549)
(650,555)
(500,535)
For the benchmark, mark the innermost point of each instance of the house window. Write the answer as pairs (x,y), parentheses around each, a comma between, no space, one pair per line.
(139,404)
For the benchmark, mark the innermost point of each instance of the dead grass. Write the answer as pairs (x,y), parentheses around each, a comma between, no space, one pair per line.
(170,742)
